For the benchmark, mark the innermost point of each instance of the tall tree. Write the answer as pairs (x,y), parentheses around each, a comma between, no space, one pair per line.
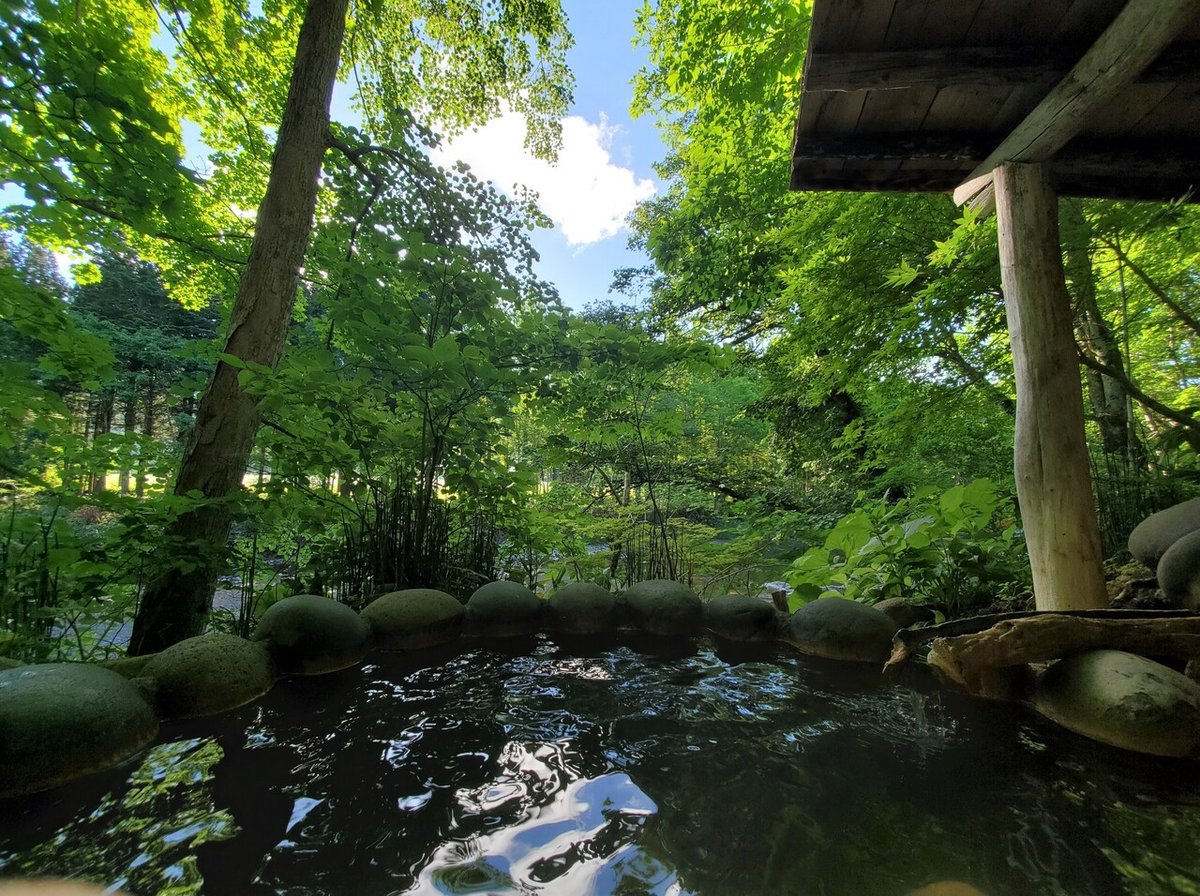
(516,44)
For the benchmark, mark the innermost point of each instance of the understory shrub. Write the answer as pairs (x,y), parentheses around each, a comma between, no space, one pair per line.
(953,549)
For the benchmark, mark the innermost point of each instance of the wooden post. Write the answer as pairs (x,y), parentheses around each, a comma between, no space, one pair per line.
(1054,485)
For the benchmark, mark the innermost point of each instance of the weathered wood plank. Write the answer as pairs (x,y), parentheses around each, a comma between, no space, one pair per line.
(973,660)
(1054,487)
(1127,47)
(955,66)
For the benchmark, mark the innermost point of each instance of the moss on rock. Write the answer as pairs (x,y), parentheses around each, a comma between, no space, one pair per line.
(311,635)
(503,609)
(414,618)
(741,618)
(1124,700)
(663,607)
(60,721)
(582,608)
(842,629)
(209,674)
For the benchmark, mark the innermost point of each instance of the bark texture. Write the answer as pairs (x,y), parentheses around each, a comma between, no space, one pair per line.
(177,603)
(1054,486)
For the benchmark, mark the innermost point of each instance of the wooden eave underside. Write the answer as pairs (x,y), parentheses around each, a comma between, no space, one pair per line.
(913,95)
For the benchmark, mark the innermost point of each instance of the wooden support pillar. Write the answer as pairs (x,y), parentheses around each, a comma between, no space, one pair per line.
(1054,484)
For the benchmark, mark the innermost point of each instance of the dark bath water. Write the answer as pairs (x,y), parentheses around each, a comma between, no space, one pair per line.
(618,770)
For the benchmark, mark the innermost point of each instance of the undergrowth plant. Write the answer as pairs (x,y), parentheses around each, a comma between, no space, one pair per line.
(953,549)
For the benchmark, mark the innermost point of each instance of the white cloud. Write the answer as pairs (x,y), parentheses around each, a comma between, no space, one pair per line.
(585,192)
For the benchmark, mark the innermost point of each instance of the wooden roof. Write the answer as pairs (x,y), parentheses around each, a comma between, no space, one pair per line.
(927,94)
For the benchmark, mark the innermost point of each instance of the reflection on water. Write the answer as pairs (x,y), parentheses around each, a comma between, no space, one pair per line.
(622,771)
(141,837)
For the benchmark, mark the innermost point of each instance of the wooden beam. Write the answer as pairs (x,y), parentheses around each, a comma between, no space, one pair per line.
(1127,47)
(838,72)
(1054,486)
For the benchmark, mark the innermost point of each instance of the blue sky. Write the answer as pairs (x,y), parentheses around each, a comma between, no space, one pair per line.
(604,166)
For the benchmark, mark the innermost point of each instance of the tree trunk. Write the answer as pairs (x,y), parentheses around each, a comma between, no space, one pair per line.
(148,420)
(1053,476)
(177,602)
(102,426)
(130,427)
(1107,395)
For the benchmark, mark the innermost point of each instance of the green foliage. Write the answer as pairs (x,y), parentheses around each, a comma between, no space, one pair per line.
(954,549)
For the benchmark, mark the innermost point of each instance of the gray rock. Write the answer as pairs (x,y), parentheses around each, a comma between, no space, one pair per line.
(663,607)
(1152,536)
(1179,572)
(209,674)
(842,629)
(311,635)
(414,618)
(502,610)
(741,618)
(582,608)
(903,612)
(1124,700)
(60,721)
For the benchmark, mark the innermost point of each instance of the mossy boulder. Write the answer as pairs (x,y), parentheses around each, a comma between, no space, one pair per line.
(7,662)
(1151,538)
(842,629)
(414,618)
(1124,700)
(209,674)
(60,721)
(663,607)
(741,618)
(582,608)
(503,610)
(1179,572)
(310,635)
(904,612)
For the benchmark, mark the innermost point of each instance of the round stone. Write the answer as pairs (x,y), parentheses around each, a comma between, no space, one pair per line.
(209,674)
(741,618)
(904,613)
(1124,700)
(1179,572)
(1151,538)
(414,618)
(842,629)
(60,721)
(502,610)
(663,607)
(310,635)
(582,608)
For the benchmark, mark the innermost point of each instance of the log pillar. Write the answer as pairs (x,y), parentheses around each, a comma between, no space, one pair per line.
(1054,484)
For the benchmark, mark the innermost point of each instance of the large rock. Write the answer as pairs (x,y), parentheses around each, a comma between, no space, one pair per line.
(842,629)
(311,635)
(414,618)
(741,618)
(60,721)
(904,612)
(1125,700)
(1179,572)
(1151,538)
(663,607)
(582,608)
(209,674)
(502,610)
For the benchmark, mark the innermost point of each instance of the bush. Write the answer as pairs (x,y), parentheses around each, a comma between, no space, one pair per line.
(956,549)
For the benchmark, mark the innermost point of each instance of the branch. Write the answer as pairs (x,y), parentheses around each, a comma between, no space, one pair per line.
(1161,294)
(1183,419)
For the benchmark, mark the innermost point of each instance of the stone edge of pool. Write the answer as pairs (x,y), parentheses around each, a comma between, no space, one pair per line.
(62,721)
